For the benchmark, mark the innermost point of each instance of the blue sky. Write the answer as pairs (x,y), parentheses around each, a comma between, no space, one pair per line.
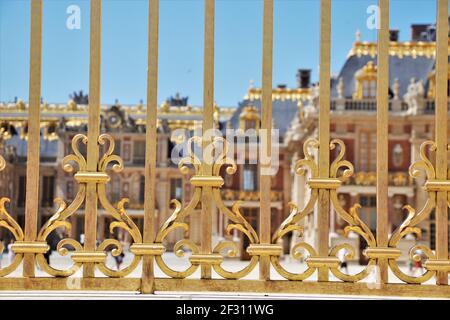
(238,45)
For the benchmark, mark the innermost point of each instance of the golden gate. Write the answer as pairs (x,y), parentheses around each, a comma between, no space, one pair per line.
(92,173)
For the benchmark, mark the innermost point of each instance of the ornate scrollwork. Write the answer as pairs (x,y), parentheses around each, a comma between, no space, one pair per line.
(64,211)
(342,169)
(8,223)
(409,226)
(119,214)
(176,220)
(290,224)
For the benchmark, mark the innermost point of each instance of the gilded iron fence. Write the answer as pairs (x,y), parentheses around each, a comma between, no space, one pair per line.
(92,173)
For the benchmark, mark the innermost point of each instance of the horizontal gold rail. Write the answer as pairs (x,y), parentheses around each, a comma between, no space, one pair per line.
(243,286)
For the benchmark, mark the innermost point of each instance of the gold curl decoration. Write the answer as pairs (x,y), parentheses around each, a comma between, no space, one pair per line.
(121,218)
(7,222)
(174,222)
(238,223)
(63,212)
(290,224)
(352,218)
(191,159)
(339,162)
(76,163)
(409,225)
(76,157)
(219,147)
(297,253)
(308,162)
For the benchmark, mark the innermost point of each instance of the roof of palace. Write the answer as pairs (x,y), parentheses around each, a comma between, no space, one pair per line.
(284,106)
(401,68)
(408,60)
(71,118)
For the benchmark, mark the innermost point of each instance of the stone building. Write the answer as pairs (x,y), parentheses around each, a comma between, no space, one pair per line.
(295,117)
(353,120)
(61,122)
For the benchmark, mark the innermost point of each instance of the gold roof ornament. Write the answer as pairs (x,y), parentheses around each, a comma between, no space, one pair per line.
(72,105)
(249,113)
(140,107)
(249,118)
(164,107)
(280,94)
(398,49)
(366,73)
(20,105)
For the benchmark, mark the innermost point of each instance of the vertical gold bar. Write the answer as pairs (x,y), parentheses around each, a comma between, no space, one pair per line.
(207,125)
(151,140)
(90,222)
(382,133)
(32,188)
(266,126)
(324,133)
(441,134)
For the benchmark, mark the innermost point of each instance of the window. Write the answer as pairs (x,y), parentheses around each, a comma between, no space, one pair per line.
(367,151)
(368,212)
(369,89)
(22,191)
(249,118)
(250,124)
(251,215)
(48,191)
(176,189)
(366,82)
(69,190)
(139,152)
(115,195)
(117,147)
(126,152)
(141,189)
(433,230)
(397,156)
(126,190)
(249,177)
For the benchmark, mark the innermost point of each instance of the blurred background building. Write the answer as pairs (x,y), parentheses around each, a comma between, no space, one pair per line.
(295,116)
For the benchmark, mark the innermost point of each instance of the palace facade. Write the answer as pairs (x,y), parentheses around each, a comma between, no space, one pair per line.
(353,120)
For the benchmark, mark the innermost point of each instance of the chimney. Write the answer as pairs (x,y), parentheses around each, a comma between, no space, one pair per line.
(419,31)
(393,35)
(303,78)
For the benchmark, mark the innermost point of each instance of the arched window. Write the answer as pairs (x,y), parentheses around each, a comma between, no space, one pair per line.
(397,155)
(369,89)
(366,82)
(249,118)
